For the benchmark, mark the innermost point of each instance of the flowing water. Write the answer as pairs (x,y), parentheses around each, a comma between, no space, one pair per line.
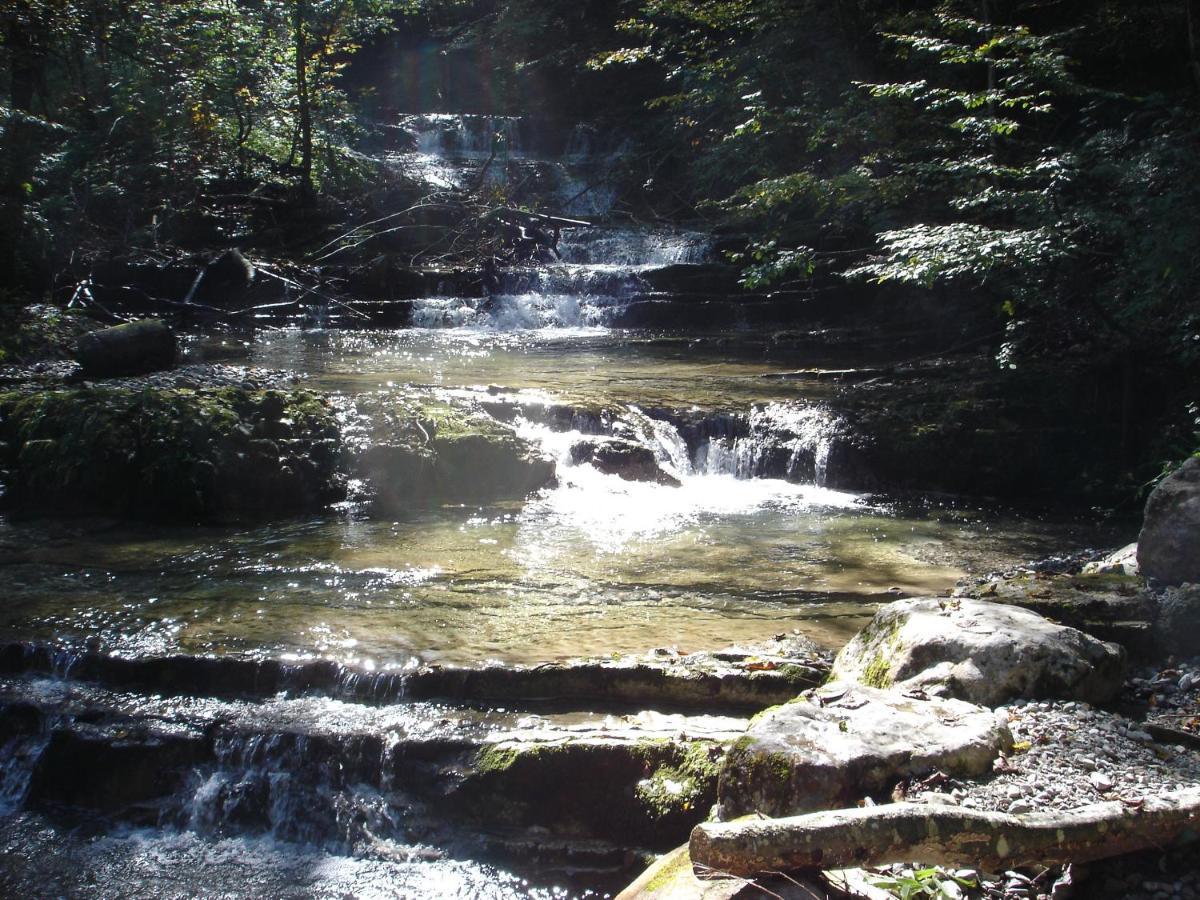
(739,539)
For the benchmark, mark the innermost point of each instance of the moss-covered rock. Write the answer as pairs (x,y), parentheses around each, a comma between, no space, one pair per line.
(177,454)
(982,652)
(647,792)
(839,743)
(418,451)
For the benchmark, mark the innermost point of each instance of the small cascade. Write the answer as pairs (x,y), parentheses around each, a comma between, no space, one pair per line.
(312,790)
(27,737)
(782,440)
(786,441)
(566,172)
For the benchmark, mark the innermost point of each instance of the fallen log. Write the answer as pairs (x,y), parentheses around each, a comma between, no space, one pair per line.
(949,836)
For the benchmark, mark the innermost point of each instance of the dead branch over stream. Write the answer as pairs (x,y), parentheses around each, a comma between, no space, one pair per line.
(906,832)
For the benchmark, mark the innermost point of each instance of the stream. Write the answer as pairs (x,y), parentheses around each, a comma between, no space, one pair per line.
(295,788)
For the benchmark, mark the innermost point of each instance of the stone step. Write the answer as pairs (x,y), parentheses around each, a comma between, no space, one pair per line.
(746,679)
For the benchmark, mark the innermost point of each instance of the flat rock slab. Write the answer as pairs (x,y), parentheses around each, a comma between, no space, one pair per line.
(836,744)
(1108,605)
(982,652)
(672,877)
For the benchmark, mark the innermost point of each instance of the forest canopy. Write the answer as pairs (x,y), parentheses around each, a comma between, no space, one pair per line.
(1039,153)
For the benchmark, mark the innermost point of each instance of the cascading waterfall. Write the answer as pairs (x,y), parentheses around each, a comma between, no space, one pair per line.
(792,441)
(600,270)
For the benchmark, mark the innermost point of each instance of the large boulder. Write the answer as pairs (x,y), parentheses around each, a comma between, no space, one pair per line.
(836,744)
(130,349)
(1169,545)
(1178,626)
(986,653)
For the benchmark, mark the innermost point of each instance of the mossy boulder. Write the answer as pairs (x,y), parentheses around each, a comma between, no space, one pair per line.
(987,653)
(419,452)
(837,744)
(147,345)
(638,792)
(170,454)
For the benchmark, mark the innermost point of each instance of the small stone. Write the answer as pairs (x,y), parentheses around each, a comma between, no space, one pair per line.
(1100,782)
(937,799)
(1020,806)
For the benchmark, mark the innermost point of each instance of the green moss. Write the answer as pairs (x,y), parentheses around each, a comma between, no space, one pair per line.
(878,673)
(170,453)
(496,758)
(673,867)
(682,780)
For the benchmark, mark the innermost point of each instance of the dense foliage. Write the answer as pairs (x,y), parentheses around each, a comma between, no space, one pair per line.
(1036,156)
(129,122)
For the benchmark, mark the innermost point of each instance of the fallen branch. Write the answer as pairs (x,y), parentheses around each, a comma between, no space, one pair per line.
(949,836)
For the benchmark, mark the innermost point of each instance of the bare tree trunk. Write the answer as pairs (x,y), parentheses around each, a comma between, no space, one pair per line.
(938,835)
(25,76)
(1193,26)
(303,102)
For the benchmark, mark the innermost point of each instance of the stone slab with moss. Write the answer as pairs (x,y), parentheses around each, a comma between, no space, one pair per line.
(170,454)
(982,652)
(419,450)
(837,744)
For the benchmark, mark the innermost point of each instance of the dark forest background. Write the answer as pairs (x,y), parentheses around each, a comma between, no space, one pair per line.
(1035,159)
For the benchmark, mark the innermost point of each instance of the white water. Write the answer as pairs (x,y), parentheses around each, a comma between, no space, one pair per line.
(718,482)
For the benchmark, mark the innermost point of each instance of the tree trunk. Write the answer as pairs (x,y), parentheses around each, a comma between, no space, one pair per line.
(949,836)
(303,102)
(1193,28)
(25,75)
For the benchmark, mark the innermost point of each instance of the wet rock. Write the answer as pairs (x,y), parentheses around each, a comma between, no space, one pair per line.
(625,459)
(470,468)
(837,744)
(111,770)
(1178,625)
(982,652)
(129,349)
(416,450)
(1169,545)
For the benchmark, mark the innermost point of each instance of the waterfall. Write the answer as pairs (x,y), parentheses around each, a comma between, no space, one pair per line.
(789,440)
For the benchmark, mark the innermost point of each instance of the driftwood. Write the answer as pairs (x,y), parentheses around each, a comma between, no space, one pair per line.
(950,836)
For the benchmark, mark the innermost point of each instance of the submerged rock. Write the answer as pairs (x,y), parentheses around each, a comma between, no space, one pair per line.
(985,653)
(839,743)
(625,459)
(1169,545)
